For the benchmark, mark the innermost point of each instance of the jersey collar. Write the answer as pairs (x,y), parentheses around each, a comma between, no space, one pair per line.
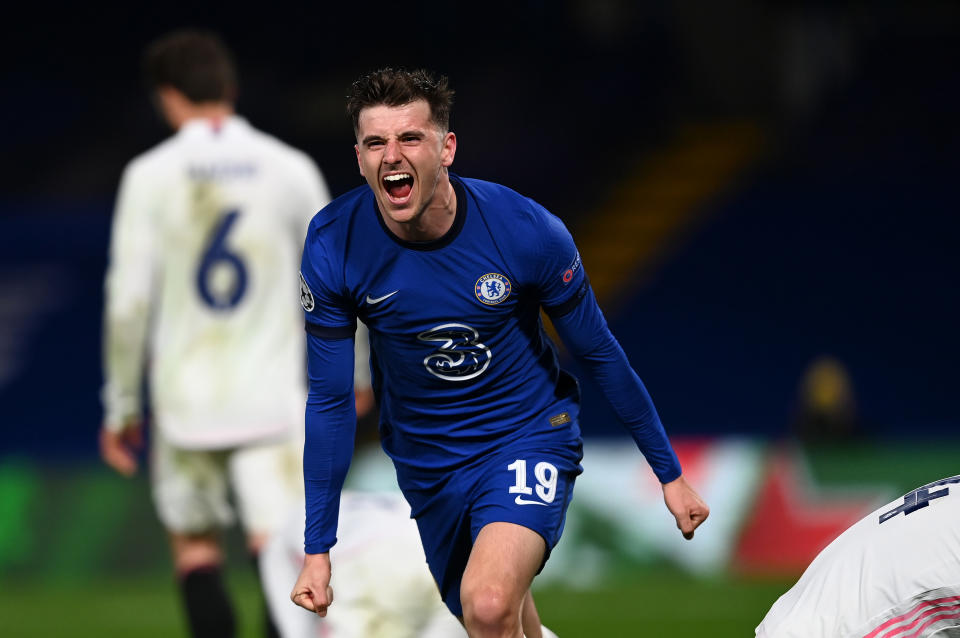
(201,126)
(448,237)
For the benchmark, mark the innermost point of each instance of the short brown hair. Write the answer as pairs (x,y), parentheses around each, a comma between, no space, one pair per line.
(196,63)
(396,87)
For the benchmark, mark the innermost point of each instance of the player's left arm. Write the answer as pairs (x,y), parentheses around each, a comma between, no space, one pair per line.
(585,333)
(566,295)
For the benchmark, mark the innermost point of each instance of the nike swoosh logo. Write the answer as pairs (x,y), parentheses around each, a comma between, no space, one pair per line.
(523,501)
(375,300)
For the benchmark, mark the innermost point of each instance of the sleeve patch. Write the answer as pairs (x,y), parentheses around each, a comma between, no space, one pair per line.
(572,269)
(306,295)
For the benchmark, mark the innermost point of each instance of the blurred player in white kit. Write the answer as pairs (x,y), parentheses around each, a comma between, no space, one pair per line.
(382,585)
(894,574)
(201,292)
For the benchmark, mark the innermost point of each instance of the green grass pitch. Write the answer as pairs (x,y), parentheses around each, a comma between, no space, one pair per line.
(659,602)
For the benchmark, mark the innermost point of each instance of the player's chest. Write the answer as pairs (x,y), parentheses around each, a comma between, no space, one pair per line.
(414,291)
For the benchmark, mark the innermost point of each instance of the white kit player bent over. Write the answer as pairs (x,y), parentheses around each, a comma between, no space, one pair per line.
(382,584)
(894,574)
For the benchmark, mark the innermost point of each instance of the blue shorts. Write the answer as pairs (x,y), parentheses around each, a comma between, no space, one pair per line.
(528,483)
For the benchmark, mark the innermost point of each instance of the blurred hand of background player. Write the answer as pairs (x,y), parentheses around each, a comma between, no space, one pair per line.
(364,401)
(118,449)
(313,591)
(685,505)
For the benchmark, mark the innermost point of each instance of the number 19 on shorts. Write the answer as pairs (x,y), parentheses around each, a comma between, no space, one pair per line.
(546,488)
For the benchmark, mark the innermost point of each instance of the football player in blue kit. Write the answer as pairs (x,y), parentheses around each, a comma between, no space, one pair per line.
(449,274)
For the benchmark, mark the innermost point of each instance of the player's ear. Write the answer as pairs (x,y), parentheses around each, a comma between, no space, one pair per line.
(449,149)
(172,105)
(356,147)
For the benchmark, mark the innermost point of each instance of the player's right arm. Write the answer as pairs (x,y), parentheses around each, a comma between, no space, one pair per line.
(128,292)
(330,418)
(330,428)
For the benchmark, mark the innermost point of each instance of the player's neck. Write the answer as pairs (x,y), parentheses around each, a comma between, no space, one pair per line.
(215,112)
(436,219)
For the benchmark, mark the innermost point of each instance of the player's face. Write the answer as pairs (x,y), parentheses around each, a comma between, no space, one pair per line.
(404,157)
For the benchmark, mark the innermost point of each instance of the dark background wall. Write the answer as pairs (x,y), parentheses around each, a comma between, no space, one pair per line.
(837,240)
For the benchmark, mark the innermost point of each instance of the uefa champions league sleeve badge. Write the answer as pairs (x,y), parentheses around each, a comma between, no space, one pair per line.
(306,297)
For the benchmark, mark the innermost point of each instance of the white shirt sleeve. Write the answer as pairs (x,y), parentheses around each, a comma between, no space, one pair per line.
(128,292)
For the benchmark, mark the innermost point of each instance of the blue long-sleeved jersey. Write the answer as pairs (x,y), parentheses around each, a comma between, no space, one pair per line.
(461,364)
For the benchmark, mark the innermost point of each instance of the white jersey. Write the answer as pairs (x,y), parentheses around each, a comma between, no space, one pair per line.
(382,587)
(894,574)
(202,284)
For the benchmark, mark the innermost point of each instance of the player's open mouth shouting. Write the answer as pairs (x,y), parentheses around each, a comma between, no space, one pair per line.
(398,187)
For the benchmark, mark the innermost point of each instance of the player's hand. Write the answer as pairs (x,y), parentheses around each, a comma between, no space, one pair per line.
(685,505)
(364,401)
(313,591)
(119,449)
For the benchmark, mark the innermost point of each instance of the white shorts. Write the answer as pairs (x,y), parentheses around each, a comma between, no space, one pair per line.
(192,488)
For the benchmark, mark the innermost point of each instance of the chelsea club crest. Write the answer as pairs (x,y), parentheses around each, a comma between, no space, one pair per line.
(492,288)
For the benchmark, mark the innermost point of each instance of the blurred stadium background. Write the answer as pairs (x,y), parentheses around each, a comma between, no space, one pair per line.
(765,196)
